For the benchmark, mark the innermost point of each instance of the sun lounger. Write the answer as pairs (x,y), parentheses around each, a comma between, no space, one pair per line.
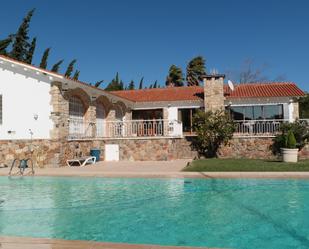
(82,161)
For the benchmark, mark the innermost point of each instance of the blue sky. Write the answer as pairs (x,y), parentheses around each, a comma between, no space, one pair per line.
(143,38)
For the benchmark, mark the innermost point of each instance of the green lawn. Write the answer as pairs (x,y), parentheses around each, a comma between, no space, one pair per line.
(245,165)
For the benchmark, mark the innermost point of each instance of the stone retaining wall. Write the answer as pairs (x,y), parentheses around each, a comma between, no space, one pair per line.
(54,153)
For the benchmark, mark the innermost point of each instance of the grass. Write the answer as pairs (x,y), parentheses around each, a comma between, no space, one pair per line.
(244,165)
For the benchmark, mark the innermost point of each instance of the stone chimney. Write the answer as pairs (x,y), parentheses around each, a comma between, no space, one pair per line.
(213,92)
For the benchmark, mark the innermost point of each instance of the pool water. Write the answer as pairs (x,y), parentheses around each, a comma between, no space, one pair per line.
(230,213)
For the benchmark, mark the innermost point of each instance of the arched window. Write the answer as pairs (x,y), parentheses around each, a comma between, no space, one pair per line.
(76,116)
(118,113)
(100,120)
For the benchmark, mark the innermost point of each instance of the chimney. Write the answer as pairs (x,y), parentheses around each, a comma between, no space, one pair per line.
(213,92)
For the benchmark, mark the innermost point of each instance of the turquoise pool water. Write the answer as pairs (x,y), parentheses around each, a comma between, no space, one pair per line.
(233,213)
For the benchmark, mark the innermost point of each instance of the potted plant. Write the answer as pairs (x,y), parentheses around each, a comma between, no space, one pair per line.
(290,151)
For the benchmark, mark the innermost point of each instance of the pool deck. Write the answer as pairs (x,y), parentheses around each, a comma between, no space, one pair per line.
(152,169)
(38,243)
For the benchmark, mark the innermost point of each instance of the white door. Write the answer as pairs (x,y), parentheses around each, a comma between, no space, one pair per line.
(111,152)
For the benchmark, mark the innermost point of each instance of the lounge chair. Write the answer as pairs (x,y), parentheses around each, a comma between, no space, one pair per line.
(82,161)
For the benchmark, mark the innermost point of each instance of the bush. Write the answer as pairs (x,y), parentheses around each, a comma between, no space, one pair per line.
(300,131)
(212,129)
(290,141)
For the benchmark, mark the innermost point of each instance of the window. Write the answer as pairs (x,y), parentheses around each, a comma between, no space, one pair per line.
(186,117)
(256,112)
(0,109)
(147,114)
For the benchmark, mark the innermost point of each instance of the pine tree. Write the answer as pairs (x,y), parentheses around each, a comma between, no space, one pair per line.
(131,85)
(44,59)
(29,55)
(56,67)
(141,83)
(70,69)
(155,85)
(98,83)
(4,44)
(20,45)
(175,76)
(195,69)
(76,75)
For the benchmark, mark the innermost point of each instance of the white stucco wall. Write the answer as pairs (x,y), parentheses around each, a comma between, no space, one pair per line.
(172,113)
(24,95)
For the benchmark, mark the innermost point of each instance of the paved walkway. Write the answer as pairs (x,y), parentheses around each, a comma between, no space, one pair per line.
(158,169)
(36,243)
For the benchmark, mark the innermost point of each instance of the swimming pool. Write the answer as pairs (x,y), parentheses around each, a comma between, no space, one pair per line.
(237,213)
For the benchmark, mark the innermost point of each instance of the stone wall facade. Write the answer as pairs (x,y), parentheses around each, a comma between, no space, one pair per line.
(54,153)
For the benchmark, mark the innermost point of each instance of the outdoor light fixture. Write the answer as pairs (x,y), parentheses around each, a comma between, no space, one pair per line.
(35,116)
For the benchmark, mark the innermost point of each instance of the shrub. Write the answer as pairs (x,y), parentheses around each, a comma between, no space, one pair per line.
(300,131)
(290,141)
(212,129)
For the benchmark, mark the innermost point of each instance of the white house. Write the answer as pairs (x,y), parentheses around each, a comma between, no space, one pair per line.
(36,104)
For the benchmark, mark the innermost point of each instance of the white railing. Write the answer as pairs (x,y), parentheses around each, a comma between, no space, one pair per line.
(79,129)
(143,128)
(256,128)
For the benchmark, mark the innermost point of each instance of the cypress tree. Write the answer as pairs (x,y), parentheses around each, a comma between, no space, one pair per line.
(131,85)
(98,83)
(4,44)
(115,85)
(56,67)
(155,85)
(150,86)
(29,55)
(21,44)
(141,83)
(76,75)
(195,69)
(44,59)
(70,69)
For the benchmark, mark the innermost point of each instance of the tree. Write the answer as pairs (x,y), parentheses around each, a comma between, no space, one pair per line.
(56,67)
(212,129)
(76,75)
(304,106)
(195,70)
(131,85)
(155,85)
(141,83)
(70,68)
(30,52)
(98,83)
(251,73)
(175,76)
(115,84)
(4,44)
(20,44)
(44,59)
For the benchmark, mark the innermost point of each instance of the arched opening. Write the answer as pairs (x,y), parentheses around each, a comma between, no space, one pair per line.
(77,112)
(100,120)
(118,113)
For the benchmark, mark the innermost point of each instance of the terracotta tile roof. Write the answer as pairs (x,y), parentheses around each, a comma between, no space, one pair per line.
(250,90)
(257,90)
(163,94)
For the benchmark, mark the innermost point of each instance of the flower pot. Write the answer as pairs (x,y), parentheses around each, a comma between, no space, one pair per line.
(289,155)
